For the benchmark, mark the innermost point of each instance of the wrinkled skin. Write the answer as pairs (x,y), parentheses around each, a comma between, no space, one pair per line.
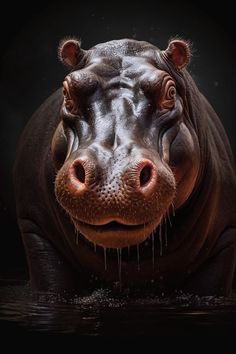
(128,144)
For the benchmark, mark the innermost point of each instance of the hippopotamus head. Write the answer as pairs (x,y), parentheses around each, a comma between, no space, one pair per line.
(125,150)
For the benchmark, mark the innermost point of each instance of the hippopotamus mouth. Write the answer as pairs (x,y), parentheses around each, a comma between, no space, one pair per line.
(123,233)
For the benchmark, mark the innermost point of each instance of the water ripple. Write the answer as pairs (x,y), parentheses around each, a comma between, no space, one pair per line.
(103,313)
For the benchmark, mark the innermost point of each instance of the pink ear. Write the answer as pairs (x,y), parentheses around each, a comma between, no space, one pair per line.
(68,52)
(178,52)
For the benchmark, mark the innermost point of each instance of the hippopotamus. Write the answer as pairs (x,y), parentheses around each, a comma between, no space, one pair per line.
(125,176)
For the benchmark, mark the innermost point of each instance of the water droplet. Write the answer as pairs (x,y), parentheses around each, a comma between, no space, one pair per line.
(119,258)
(165,233)
(153,251)
(138,258)
(173,209)
(168,215)
(105,257)
(160,239)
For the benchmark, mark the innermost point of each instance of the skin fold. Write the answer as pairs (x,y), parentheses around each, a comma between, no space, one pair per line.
(129,159)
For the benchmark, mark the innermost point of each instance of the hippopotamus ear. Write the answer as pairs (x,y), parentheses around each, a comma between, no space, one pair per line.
(178,51)
(69,52)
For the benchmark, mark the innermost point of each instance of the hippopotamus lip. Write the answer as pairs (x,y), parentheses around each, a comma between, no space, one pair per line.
(115,234)
(115,226)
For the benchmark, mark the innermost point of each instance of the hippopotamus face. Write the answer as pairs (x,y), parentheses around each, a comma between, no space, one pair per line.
(124,150)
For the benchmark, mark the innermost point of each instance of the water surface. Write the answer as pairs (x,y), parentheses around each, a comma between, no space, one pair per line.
(106,314)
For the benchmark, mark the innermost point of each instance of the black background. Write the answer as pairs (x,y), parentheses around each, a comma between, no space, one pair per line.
(30,70)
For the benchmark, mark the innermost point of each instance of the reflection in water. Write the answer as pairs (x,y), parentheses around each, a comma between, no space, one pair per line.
(104,313)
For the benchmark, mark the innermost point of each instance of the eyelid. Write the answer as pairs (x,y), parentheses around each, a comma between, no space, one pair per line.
(167,99)
(66,89)
(70,103)
(167,82)
(170,87)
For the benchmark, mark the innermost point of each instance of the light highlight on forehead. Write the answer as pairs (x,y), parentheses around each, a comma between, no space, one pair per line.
(125,72)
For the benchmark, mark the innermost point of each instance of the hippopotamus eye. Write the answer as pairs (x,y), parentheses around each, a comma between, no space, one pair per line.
(68,99)
(169,93)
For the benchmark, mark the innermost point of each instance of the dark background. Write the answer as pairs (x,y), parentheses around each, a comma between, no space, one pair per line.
(30,71)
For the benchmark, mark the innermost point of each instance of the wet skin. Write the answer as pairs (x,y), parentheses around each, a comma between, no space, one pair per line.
(126,144)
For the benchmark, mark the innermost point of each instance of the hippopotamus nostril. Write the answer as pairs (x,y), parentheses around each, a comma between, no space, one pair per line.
(79,175)
(145,175)
(79,172)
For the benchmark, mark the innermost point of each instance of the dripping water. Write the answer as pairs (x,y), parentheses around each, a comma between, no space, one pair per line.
(168,215)
(138,258)
(165,233)
(119,258)
(160,238)
(173,209)
(105,257)
(153,251)
(76,232)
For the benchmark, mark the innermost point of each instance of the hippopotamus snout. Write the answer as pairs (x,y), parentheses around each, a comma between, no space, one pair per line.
(115,199)
(141,177)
